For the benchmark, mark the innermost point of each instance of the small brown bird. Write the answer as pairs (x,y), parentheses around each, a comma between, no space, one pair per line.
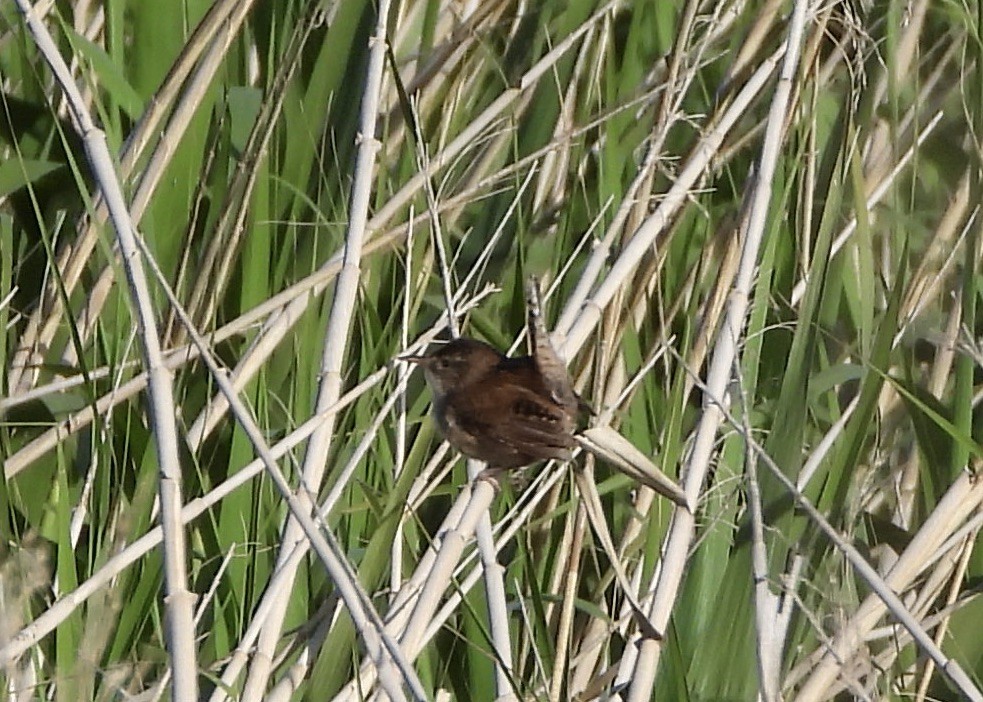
(508,412)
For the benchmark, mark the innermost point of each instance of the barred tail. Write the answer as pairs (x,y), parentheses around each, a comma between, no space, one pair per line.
(550,365)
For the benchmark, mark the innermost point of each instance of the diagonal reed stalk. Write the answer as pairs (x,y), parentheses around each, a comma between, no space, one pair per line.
(293,207)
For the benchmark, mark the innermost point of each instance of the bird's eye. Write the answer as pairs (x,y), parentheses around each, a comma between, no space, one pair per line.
(443,362)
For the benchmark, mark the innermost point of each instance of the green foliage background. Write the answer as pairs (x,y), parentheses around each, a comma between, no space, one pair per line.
(550,127)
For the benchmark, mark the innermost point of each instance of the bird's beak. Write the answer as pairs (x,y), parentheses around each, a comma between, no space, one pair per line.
(410,358)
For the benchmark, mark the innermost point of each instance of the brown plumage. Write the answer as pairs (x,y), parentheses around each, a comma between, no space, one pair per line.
(507,412)
(497,409)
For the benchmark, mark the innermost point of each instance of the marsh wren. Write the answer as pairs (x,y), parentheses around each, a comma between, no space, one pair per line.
(507,412)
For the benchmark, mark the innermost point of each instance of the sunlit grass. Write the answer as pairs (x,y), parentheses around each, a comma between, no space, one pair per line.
(542,142)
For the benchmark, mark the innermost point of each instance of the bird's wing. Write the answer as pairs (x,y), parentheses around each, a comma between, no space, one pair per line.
(514,422)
